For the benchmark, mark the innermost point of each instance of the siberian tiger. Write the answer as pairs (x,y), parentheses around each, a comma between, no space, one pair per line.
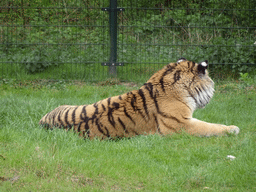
(163,105)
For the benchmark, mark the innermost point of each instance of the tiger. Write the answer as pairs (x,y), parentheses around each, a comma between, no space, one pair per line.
(163,105)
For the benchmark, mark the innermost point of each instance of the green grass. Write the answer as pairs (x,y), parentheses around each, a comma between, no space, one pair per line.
(34,159)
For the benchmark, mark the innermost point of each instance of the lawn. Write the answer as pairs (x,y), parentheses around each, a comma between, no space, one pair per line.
(34,159)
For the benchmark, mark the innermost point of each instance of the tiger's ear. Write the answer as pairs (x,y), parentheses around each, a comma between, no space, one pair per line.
(181,59)
(202,66)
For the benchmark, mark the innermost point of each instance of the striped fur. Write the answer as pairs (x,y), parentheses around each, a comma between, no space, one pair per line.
(163,105)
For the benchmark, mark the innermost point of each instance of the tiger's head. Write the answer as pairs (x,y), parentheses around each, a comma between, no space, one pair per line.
(185,80)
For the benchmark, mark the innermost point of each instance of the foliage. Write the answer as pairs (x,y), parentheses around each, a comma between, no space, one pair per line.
(46,34)
(37,60)
(247,79)
(235,55)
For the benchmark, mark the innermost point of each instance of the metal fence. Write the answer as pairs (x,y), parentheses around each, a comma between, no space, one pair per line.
(131,39)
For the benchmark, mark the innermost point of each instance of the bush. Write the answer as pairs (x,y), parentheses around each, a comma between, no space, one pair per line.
(40,36)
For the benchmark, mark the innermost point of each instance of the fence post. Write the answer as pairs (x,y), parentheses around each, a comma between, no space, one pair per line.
(113,37)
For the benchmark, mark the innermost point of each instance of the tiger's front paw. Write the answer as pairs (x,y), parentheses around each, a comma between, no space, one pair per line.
(233,129)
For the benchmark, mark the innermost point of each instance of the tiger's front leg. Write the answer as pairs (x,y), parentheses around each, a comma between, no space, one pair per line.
(200,128)
(194,127)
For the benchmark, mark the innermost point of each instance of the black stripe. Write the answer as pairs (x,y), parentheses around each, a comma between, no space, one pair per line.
(174,118)
(185,104)
(155,101)
(74,116)
(108,135)
(149,87)
(162,83)
(83,112)
(168,70)
(160,112)
(133,100)
(116,105)
(190,94)
(136,133)
(193,65)
(85,119)
(79,127)
(123,125)
(53,118)
(176,76)
(143,100)
(56,111)
(168,126)
(157,124)
(99,128)
(96,112)
(192,81)
(66,119)
(59,119)
(110,116)
(109,99)
(104,108)
(120,97)
(127,115)
(86,129)
(153,95)
(157,107)
(199,89)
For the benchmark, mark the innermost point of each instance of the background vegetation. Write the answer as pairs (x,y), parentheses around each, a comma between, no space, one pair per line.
(70,39)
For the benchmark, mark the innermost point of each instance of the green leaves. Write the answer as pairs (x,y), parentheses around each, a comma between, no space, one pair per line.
(42,34)
(39,59)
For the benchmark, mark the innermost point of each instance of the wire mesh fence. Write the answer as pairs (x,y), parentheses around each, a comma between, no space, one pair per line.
(52,39)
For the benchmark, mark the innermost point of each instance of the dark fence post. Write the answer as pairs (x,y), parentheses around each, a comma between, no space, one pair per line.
(113,37)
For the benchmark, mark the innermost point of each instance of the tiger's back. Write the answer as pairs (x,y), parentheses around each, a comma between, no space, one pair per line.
(164,105)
